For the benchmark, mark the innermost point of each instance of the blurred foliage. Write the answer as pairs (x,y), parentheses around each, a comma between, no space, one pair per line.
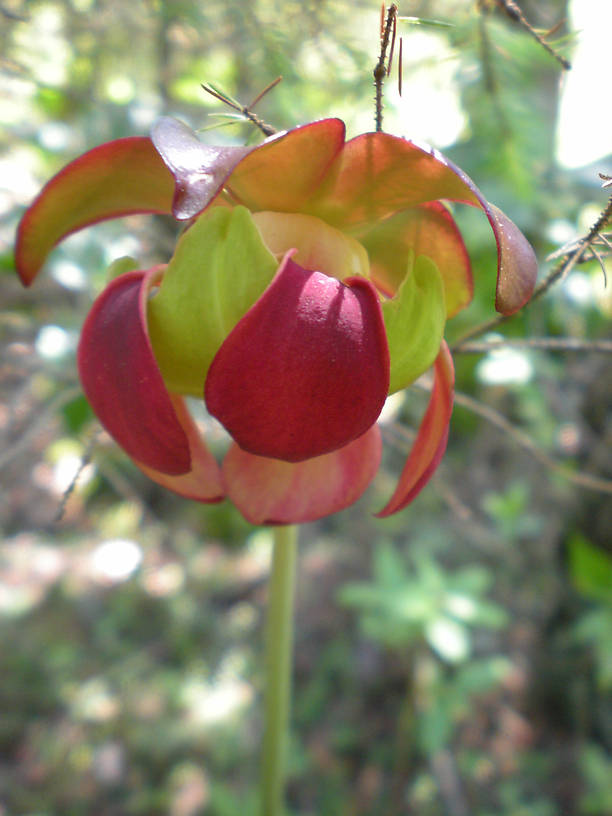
(454,659)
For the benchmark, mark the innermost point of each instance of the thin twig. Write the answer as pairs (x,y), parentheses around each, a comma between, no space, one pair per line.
(245,110)
(381,69)
(514,11)
(85,460)
(45,415)
(546,343)
(561,271)
(584,480)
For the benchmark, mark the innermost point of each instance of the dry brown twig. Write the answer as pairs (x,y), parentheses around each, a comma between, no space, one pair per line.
(245,110)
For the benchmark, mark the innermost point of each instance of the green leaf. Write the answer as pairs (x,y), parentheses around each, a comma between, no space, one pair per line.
(219,269)
(591,568)
(414,321)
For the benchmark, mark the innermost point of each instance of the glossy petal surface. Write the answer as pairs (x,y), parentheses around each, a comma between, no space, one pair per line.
(286,170)
(203,482)
(428,229)
(122,381)
(118,178)
(267,491)
(430,443)
(199,170)
(219,269)
(377,175)
(306,370)
(414,321)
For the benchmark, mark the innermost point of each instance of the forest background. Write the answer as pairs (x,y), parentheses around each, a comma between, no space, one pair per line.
(454,659)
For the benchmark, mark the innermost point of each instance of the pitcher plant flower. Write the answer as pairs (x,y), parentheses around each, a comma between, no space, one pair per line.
(313,279)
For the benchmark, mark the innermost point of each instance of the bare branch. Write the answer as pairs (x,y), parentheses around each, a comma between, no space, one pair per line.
(514,11)
(546,343)
(584,480)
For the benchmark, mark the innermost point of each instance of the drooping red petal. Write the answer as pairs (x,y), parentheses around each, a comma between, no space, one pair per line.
(428,229)
(199,170)
(306,370)
(123,383)
(377,175)
(117,178)
(203,482)
(268,491)
(430,443)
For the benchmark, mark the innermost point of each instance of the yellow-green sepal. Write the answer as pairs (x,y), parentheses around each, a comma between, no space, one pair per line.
(414,322)
(219,269)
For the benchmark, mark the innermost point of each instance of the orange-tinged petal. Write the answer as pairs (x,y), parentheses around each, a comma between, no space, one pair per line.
(430,443)
(268,491)
(203,482)
(117,178)
(428,229)
(285,170)
(377,175)
(306,370)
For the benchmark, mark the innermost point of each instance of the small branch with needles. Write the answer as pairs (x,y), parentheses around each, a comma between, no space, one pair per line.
(245,110)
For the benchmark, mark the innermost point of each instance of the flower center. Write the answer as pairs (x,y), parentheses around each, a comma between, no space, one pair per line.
(319,247)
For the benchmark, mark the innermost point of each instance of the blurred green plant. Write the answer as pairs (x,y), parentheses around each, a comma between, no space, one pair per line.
(429,616)
(406,606)
(591,572)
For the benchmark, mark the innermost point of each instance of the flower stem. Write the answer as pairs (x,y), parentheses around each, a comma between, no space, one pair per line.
(278,669)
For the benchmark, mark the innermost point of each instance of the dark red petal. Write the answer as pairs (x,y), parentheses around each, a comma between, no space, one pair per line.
(430,443)
(203,482)
(268,491)
(199,170)
(122,381)
(117,178)
(306,370)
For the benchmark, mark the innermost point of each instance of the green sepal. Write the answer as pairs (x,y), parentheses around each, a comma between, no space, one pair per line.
(219,269)
(120,266)
(414,321)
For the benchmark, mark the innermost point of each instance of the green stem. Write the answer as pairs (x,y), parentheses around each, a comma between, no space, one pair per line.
(278,669)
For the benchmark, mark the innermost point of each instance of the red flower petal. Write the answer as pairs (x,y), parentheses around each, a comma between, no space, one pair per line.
(203,482)
(199,170)
(268,491)
(377,175)
(122,381)
(306,370)
(117,178)
(430,443)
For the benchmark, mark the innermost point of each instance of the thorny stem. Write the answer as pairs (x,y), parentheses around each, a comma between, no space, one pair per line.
(278,669)
(381,69)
